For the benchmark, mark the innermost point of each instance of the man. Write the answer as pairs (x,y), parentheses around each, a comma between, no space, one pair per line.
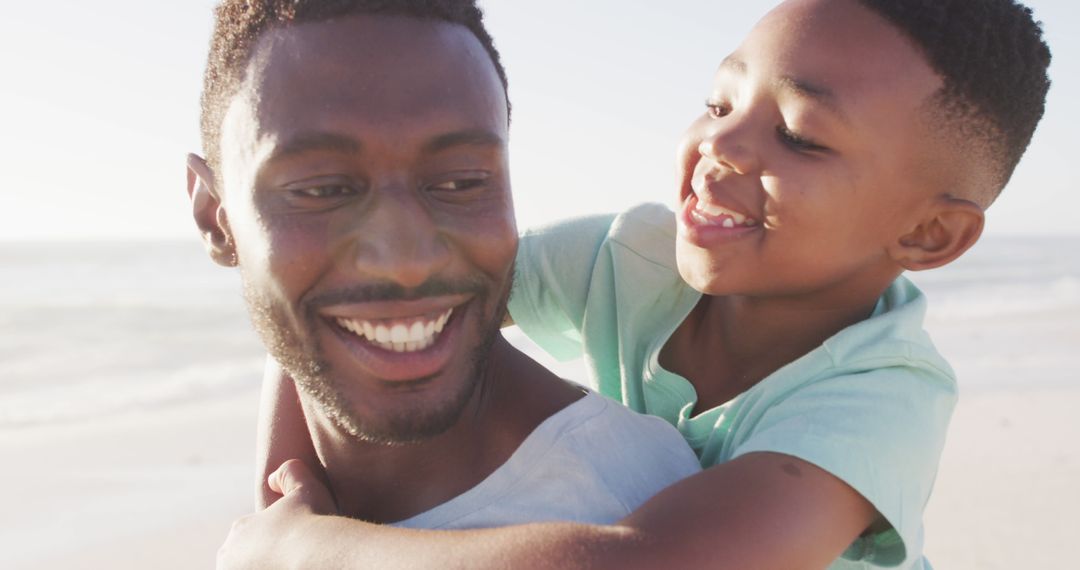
(356,174)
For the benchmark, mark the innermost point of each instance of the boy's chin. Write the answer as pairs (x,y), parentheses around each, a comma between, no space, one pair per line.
(698,269)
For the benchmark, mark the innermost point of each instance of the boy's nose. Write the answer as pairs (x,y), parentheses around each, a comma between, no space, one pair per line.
(727,142)
(399,240)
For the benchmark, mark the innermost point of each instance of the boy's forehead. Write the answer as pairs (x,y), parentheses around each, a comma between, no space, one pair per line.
(840,49)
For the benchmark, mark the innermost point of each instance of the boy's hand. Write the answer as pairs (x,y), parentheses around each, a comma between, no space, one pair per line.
(262,540)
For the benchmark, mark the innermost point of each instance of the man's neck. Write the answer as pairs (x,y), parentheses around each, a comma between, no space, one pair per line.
(384,483)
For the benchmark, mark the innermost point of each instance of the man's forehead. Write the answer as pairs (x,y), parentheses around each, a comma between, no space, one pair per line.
(375,77)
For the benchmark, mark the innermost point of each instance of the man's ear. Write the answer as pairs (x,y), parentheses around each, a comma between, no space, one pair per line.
(950,227)
(209,213)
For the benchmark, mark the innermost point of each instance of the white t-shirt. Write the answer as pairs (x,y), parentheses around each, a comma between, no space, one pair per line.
(594,461)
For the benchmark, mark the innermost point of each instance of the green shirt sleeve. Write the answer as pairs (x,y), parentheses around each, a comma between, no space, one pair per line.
(551,282)
(881,431)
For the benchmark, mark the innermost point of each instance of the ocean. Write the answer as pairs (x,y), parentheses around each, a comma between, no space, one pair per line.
(96,329)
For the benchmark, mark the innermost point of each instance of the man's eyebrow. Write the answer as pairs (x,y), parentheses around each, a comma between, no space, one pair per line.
(471,137)
(316,141)
(817,93)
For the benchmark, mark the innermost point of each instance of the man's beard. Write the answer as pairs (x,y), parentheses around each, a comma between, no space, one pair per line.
(302,359)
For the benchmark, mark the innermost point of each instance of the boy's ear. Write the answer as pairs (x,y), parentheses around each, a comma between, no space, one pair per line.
(209,214)
(951,227)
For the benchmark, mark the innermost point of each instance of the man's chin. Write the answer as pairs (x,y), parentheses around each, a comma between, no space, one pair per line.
(412,421)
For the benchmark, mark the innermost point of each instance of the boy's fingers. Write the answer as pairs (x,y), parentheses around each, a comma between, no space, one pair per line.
(291,476)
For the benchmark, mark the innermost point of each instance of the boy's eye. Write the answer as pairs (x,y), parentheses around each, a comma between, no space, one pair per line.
(717,110)
(798,142)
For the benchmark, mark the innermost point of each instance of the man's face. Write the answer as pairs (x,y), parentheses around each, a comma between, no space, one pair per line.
(812,157)
(365,185)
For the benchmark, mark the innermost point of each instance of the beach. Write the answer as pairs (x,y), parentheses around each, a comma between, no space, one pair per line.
(129,381)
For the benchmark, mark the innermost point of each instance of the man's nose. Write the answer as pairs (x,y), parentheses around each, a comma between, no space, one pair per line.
(398,240)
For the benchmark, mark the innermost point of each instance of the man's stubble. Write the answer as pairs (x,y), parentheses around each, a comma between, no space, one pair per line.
(301,356)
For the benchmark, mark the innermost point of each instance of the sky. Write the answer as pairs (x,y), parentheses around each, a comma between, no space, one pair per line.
(99,106)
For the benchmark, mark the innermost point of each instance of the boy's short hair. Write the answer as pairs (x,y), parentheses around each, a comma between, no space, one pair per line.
(238,25)
(992,59)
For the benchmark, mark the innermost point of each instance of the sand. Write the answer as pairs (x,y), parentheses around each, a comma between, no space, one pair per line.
(144,490)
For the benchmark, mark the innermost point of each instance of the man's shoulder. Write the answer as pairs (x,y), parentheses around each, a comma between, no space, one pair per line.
(593,461)
(608,435)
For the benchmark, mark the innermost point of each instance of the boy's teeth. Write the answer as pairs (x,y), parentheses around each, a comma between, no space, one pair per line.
(399,337)
(711,214)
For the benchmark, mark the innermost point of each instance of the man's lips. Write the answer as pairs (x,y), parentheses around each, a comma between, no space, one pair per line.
(400,334)
(403,340)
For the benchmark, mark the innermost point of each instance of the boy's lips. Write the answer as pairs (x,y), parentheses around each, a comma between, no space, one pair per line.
(400,341)
(706,223)
(710,214)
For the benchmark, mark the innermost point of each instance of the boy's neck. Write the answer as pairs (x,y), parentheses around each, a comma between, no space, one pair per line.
(382,483)
(727,344)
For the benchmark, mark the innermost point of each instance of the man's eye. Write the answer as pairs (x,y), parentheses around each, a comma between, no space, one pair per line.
(325,191)
(458,185)
(798,142)
(717,110)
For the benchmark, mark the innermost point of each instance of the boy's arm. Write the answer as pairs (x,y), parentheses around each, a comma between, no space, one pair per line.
(282,431)
(760,510)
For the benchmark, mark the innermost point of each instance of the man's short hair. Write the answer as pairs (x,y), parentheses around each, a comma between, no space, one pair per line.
(238,25)
(992,59)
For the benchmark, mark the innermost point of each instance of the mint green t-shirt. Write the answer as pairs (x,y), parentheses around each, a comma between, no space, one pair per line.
(871,405)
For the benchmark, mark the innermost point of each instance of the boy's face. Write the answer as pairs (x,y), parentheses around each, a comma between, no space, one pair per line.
(813,155)
(366,190)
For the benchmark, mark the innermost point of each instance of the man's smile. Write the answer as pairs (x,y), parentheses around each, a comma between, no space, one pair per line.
(399,335)
(400,340)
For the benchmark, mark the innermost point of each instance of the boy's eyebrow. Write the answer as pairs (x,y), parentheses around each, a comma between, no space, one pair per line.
(734,64)
(799,87)
(806,90)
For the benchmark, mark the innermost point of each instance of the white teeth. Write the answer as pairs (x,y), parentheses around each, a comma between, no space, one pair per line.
(416,332)
(712,209)
(731,219)
(399,337)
